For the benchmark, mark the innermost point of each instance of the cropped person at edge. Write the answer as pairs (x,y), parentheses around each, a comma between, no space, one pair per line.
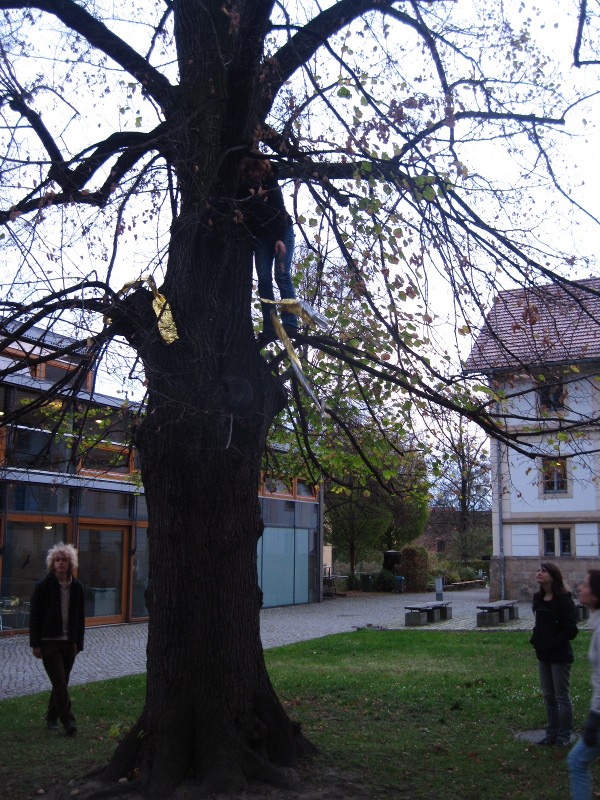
(263,213)
(56,630)
(555,627)
(587,748)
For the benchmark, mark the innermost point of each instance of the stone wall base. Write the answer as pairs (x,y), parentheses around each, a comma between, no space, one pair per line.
(519,575)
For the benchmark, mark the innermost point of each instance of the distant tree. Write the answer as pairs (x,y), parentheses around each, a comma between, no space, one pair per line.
(461,484)
(365,514)
(355,525)
(408,505)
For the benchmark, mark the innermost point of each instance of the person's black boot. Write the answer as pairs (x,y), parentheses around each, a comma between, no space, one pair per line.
(547,741)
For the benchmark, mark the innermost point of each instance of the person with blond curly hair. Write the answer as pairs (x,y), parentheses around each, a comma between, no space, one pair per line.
(56,630)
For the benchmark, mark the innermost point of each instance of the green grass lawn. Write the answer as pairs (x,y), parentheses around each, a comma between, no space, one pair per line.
(408,714)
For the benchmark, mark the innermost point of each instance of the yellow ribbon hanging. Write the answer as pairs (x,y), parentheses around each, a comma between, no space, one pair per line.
(302,309)
(165,321)
(131,285)
(310,316)
(294,360)
(164,317)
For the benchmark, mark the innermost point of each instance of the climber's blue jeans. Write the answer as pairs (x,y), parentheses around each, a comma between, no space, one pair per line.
(264,258)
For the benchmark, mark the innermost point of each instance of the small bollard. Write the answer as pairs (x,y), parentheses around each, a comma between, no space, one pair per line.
(439,588)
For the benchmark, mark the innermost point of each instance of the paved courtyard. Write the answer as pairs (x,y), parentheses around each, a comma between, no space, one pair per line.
(112,651)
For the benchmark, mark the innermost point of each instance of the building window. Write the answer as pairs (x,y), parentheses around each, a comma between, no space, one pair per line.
(34,449)
(551,396)
(304,489)
(38,498)
(33,411)
(554,474)
(110,505)
(104,424)
(57,372)
(63,372)
(564,541)
(276,486)
(106,460)
(557,542)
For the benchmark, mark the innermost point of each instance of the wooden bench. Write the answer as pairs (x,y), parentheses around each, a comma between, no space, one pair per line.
(423,613)
(497,613)
(460,585)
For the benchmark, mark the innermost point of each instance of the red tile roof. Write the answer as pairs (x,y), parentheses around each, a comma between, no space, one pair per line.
(536,326)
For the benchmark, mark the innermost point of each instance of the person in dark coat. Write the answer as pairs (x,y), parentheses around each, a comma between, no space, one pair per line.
(555,627)
(57,628)
(262,211)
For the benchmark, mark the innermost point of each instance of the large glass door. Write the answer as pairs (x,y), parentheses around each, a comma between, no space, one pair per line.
(23,564)
(101,571)
(284,566)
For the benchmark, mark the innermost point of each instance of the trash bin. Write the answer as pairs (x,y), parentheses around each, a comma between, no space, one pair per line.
(399,584)
(366,582)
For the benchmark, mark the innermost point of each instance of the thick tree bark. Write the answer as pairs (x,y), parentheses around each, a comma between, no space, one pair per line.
(211,715)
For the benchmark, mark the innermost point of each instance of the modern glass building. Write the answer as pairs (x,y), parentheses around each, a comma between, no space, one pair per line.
(53,488)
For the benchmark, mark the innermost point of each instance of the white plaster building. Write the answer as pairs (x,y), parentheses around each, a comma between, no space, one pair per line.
(540,350)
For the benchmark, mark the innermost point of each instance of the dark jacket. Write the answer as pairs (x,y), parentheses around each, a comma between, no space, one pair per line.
(555,626)
(263,210)
(45,621)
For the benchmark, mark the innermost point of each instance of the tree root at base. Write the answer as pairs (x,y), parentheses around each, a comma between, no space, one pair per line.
(169,773)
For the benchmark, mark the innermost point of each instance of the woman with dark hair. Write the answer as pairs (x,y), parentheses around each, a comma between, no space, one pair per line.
(555,627)
(587,748)
(260,202)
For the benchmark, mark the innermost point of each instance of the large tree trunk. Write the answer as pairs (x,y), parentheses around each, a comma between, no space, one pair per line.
(211,714)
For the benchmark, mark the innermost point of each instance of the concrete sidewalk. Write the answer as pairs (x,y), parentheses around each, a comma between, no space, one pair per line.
(112,651)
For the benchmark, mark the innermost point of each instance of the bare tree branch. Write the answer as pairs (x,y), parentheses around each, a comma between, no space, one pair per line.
(76,18)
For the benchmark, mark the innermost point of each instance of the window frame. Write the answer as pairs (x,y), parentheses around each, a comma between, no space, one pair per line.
(39,371)
(59,445)
(291,489)
(551,395)
(299,494)
(550,467)
(557,532)
(266,492)
(126,449)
